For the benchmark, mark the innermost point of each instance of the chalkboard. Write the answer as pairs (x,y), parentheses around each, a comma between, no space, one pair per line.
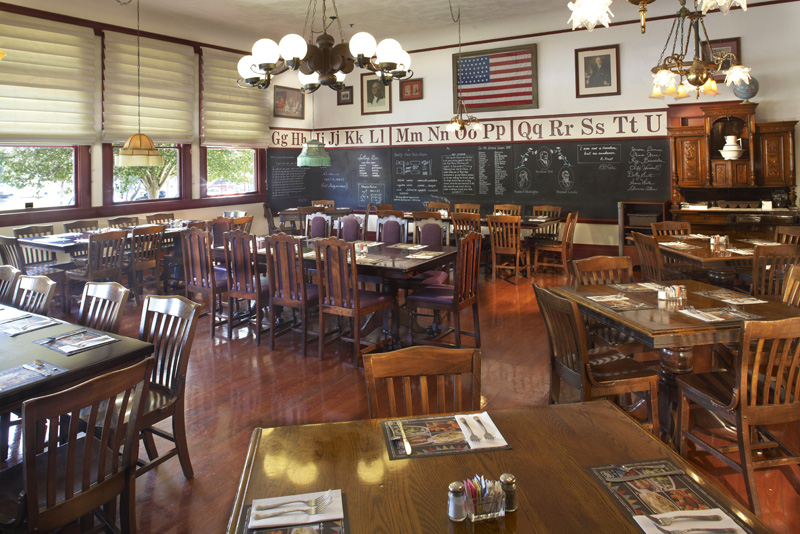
(587,176)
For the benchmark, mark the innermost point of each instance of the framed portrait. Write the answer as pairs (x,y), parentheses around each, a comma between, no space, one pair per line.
(345,96)
(375,97)
(481,90)
(289,103)
(597,71)
(730,46)
(411,89)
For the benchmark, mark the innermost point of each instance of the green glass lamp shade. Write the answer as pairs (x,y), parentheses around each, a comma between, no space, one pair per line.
(313,155)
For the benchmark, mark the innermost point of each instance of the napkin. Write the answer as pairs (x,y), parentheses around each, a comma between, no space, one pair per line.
(498,441)
(648,527)
(335,510)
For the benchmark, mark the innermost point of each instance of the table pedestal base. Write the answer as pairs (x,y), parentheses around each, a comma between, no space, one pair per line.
(722,276)
(675,361)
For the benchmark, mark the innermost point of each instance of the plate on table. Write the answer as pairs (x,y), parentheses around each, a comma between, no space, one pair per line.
(449,437)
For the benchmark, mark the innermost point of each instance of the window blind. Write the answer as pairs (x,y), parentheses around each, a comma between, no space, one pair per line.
(168,86)
(229,114)
(48,82)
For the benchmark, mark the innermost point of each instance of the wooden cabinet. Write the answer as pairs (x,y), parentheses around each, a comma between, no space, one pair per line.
(688,158)
(776,155)
(729,173)
(721,121)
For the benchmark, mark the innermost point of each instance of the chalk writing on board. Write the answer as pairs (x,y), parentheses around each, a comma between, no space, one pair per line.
(371,193)
(645,165)
(288,180)
(606,153)
(369,166)
(333,180)
(414,167)
(458,173)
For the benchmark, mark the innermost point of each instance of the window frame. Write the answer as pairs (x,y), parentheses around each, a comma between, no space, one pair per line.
(184,176)
(259,175)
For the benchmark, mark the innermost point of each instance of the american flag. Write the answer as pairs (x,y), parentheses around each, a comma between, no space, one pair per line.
(502,79)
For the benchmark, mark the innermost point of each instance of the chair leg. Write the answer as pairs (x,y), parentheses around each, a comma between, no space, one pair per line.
(746,458)
(321,350)
(5,429)
(457,327)
(356,340)
(494,266)
(259,318)
(476,325)
(683,424)
(179,432)
(410,310)
(304,330)
(127,507)
(149,444)
(271,328)
(555,387)
(654,408)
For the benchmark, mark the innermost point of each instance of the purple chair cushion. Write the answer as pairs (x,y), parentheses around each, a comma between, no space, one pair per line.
(369,298)
(430,234)
(434,278)
(391,233)
(318,227)
(312,293)
(433,294)
(350,229)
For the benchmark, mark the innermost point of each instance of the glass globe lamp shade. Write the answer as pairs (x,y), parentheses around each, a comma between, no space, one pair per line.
(589,13)
(340,76)
(404,61)
(308,79)
(266,51)
(245,67)
(292,46)
(363,44)
(656,92)
(737,74)
(388,51)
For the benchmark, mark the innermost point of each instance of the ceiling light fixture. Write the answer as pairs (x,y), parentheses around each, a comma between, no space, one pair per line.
(139,150)
(324,63)
(313,153)
(462,119)
(675,68)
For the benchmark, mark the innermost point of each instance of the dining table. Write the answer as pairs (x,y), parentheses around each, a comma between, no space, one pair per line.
(562,457)
(72,242)
(31,364)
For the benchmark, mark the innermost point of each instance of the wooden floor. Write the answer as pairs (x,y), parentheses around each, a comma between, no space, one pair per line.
(234,386)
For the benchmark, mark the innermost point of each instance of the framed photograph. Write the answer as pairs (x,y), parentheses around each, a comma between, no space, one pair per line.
(375,97)
(731,46)
(411,89)
(345,96)
(515,88)
(289,103)
(597,71)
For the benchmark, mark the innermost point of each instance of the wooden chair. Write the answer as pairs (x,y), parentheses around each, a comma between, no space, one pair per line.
(40,262)
(467,208)
(791,287)
(323,203)
(504,233)
(160,218)
(78,257)
(339,294)
(599,372)
(56,487)
(411,367)
(244,278)
(437,206)
(761,394)
(201,276)
(317,225)
(549,232)
(382,207)
(33,294)
(272,228)
(123,222)
(650,258)
(234,214)
(557,254)
(145,255)
(102,305)
(287,283)
(390,213)
(11,253)
(507,209)
(169,323)
(418,216)
(787,235)
(431,231)
(465,222)
(771,263)
(668,228)
(351,228)
(103,260)
(201,225)
(218,227)
(462,294)
(9,276)
(392,230)
(244,223)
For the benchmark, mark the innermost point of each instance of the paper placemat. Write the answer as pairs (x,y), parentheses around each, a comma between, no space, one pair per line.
(715,315)
(407,246)
(742,251)
(649,527)
(19,376)
(637,288)
(26,323)
(730,297)
(424,255)
(620,302)
(76,341)
(334,511)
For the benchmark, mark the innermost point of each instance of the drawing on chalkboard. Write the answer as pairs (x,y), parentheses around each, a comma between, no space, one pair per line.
(524,180)
(371,193)
(544,157)
(566,178)
(414,167)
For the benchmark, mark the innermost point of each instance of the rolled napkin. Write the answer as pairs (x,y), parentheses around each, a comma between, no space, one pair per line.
(332,512)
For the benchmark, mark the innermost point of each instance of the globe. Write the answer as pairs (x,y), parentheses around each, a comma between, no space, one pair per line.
(746,91)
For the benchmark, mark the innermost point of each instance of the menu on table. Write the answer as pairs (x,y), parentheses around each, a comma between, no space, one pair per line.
(76,341)
(637,288)
(27,373)
(424,255)
(407,246)
(679,244)
(731,297)
(22,324)
(620,302)
(714,315)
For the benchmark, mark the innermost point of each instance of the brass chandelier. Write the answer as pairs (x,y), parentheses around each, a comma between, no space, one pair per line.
(323,62)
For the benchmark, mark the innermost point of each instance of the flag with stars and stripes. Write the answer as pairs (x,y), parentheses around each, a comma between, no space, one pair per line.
(499,79)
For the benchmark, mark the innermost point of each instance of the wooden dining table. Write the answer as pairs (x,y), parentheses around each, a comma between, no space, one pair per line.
(73,242)
(552,451)
(720,261)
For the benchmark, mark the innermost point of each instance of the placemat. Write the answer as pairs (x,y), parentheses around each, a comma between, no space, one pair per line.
(637,288)
(76,341)
(26,323)
(341,526)
(19,376)
(620,302)
(658,494)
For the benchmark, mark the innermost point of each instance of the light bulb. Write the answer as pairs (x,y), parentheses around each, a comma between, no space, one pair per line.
(308,79)
(340,76)
(404,62)
(388,51)
(244,67)
(292,46)
(266,51)
(363,44)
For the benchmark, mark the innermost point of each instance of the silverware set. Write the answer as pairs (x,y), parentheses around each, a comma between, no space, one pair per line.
(312,506)
(474,437)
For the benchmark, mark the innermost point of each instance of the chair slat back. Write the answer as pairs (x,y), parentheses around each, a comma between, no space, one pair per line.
(791,287)
(11,253)
(104,258)
(550,231)
(466,222)
(243,223)
(338,274)
(667,228)
(504,233)
(318,225)
(35,256)
(437,206)
(9,275)
(78,227)
(160,218)
(771,263)
(146,245)
(649,257)
(392,230)
(507,209)
(102,305)
(33,294)
(198,265)
(350,228)
(244,280)
(81,467)
(467,208)
(440,369)
(603,270)
(169,323)
(546,211)
(123,222)
(287,278)
(468,262)
(568,237)
(787,235)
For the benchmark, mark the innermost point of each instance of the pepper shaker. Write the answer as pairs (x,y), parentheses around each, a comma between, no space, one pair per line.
(509,484)
(456,501)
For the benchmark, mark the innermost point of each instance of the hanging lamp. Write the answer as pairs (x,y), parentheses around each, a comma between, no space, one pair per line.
(313,153)
(139,150)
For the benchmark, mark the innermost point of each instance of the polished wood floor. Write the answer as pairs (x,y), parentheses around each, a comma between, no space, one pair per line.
(234,387)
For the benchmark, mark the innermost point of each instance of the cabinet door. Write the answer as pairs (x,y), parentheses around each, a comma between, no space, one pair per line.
(773,156)
(740,174)
(720,177)
(689,155)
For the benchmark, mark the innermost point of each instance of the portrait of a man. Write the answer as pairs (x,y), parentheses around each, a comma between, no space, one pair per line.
(375,96)
(598,73)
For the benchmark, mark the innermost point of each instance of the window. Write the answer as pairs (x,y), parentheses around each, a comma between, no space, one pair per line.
(41,176)
(148,183)
(230,171)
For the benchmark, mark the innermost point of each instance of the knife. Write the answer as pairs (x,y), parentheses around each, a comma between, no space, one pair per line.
(35,370)
(406,444)
(651,475)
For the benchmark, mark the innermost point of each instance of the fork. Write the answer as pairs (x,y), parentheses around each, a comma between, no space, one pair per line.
(310,502)
(472,436)
(698,530)
(487,435)
(310,511)
(667,521)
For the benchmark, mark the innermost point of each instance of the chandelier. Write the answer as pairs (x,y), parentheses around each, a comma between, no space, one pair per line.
(462,119)
(323,62)
(589,13)
(675,71)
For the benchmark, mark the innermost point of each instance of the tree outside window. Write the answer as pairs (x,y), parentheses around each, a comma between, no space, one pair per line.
(43,176)
(230,171)
(147,183)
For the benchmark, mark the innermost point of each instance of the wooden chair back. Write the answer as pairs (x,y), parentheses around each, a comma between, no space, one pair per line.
(35,256)
(287,277)
(467,208)
(382,207)
(9,276)
(146,247)
(33,294)
(318,225)
(338,276)
(507,209)
(11,253)
(546,211)
(468,263)
(465,222)
(568,237)
(123,222)
(160,218)
(787,235)
(504,233)
(392,230)
(649,257)
(390,213)
(404,376)
(437,206)
(243,223)
(104,257)
(234,214)
(666,228)
(78,227)
(218,227)
(102,305)
(771,263)
(198,265)
(87,465)
(603,270)
(323,203)
(351,228)
(244,280)
(272,228)
(550,231)
(432,232)
(791,287)
(202,225)
(305,211)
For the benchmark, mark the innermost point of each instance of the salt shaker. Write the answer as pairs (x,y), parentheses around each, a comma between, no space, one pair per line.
(509,484)
(456,501)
